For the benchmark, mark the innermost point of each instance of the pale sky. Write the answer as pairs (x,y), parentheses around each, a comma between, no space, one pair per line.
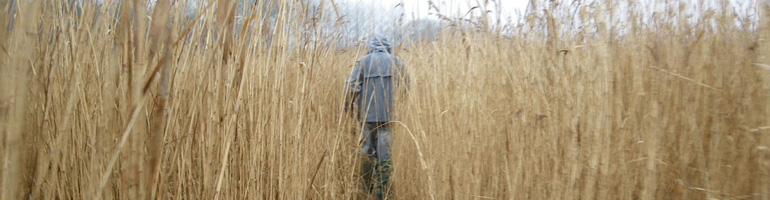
(420,9)
(513,8)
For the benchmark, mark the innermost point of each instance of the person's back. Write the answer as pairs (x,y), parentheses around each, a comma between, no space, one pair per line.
(372,86)
(378,72)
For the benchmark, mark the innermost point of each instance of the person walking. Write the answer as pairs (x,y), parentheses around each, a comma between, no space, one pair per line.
(371,88)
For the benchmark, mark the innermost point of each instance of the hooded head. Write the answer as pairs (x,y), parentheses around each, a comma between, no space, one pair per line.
(379,43)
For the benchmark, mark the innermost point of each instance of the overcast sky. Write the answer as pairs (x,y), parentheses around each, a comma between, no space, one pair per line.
(512,8)
(419,8)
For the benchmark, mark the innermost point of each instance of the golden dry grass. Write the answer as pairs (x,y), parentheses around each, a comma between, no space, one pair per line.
(663,112)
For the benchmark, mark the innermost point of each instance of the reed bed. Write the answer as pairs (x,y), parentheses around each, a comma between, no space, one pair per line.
(100,107)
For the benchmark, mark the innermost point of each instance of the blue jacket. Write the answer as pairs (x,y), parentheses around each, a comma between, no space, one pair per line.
(374,79)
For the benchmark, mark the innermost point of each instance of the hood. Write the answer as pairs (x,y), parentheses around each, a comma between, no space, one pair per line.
(379,43)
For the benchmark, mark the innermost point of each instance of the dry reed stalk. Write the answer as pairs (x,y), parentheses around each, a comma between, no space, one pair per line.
(189,26)
(315,172)
(764,49)
(158,26)
(137,72)
(685,78)
(4,89)
(51,161)
(229,133)
(154,142)
(134,182)
(14,98)
(118,149)
(764,40)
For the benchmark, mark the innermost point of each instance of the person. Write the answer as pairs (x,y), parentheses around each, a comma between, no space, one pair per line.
(371,88)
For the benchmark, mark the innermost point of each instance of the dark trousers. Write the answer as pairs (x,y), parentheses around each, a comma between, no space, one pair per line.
(377,142)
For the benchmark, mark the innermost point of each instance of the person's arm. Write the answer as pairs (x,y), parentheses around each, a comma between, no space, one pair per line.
(352,87)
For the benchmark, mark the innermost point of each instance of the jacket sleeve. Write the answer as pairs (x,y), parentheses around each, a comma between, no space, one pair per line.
(353,85)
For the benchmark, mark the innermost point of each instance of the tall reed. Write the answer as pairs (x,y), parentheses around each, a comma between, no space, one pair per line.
(572,102)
